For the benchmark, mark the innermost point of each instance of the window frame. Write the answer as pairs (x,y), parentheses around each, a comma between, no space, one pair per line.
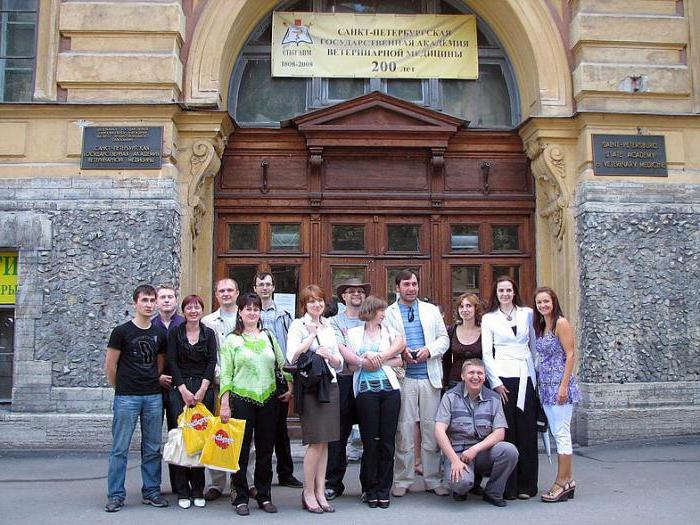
(4,57)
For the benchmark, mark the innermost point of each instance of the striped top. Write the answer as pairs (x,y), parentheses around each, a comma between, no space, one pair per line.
(414,339)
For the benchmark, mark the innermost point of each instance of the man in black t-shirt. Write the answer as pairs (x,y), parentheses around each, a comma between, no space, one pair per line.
(135,359)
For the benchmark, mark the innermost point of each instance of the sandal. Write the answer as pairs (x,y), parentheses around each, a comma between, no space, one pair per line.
(557,493)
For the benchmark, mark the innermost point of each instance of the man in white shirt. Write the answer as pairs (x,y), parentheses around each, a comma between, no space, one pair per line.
(422,326)
(222,321)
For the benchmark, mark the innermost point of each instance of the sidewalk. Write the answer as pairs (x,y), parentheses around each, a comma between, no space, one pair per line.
(624,483)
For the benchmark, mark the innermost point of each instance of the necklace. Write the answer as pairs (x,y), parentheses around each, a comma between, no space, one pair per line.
(508,315)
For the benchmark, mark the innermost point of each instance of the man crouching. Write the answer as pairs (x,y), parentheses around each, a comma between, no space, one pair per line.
(469,428)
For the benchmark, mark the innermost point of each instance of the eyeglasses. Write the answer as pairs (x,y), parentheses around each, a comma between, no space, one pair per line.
(411,315)
(360,291)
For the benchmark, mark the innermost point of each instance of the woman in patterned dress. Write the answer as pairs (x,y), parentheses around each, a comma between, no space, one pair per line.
(557,385)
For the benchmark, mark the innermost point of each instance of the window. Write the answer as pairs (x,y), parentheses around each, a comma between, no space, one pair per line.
(256,99)
(17,49)
(464,279)
(403,237)
(285,238)
(464,238)
(505,238)
(243,237)
(348,238)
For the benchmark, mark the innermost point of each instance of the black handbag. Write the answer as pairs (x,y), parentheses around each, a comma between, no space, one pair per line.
(281,383)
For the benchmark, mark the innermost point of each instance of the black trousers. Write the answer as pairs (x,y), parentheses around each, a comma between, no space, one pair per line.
(260,427)
(187,482)
(378,413)
(283,448)
(337,450)
(522,432)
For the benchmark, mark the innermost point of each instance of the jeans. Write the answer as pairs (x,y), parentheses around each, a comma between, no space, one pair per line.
(497,463)
(127,409)
(559,419)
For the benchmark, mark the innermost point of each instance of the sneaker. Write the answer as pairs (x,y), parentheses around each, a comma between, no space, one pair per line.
(156,500)
(399,492)
(494,501)
(212,493)
(439,491)
(184,503)
(331,494)
(114,505)
(200,502)
(291,482)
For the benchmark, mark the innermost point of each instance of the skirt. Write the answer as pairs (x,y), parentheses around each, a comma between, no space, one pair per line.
(320,422)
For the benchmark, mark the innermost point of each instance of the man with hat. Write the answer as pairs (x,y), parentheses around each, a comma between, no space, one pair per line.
(351,293)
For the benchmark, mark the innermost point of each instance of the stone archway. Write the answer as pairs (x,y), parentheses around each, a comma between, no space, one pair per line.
(529,35)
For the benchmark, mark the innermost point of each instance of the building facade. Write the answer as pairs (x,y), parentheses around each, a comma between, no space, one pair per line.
(321,179)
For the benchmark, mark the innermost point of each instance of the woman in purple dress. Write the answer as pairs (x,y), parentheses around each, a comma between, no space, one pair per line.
(557,385)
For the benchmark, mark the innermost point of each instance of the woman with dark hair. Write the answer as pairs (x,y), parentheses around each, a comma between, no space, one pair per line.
(249,358)
(557,385)
(508,346)
(191,360)
(376,388)
(320,421)
(465,338)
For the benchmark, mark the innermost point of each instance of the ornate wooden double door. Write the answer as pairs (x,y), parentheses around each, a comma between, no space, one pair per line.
(369,187)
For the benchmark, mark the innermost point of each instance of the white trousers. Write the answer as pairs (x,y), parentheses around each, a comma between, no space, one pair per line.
(559,419)
(419,402)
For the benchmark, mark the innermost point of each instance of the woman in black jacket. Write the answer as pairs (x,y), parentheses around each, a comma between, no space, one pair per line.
(191,360)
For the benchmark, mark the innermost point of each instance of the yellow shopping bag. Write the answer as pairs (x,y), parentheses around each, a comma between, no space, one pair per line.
(196,423)
(222,449)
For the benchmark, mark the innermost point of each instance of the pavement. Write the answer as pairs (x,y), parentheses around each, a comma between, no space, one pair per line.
(622,483)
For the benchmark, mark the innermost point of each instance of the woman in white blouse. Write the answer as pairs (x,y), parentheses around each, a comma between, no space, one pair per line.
(508,344)
(320,422)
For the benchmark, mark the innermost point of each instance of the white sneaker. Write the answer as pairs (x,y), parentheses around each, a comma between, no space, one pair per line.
(184,503)
(200,502)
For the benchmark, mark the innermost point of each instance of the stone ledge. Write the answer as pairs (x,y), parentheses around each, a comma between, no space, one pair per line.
(616,191)
(595,426)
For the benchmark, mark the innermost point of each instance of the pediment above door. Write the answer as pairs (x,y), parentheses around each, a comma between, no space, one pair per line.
(377,120)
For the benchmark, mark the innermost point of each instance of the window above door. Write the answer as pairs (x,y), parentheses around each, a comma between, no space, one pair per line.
(256,99)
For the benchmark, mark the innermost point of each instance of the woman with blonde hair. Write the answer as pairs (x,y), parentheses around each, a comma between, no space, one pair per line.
(313,335)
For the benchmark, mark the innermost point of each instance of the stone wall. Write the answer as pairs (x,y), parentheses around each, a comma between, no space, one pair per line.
(639,263)
(85,244)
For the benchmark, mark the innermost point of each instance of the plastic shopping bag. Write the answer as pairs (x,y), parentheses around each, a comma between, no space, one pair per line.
(222,449)
(196,424)
(174,451)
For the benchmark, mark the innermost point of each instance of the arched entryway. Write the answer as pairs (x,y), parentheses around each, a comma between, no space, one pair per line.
(371,186)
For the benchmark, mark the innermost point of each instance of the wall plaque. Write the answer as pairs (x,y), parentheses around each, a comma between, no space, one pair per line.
(121,148)
(631,155)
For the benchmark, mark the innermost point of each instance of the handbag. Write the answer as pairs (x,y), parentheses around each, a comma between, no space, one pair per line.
(174,451)
(281,383)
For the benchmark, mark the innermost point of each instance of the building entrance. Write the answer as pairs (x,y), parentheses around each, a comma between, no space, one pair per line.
(370,187)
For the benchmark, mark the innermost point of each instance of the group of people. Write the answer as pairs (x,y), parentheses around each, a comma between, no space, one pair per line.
(453,405)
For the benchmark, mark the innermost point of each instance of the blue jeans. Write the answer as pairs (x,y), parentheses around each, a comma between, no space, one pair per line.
(127,410)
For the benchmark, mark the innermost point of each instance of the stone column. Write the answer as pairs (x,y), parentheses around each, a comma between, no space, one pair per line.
(201,139)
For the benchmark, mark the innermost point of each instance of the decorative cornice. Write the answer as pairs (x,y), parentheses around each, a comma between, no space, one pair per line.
(205,162)
(549,169)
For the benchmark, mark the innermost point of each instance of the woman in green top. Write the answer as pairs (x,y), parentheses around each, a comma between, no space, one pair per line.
(248,391)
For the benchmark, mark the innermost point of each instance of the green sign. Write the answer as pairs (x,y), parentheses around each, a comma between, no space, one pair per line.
(8,277)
